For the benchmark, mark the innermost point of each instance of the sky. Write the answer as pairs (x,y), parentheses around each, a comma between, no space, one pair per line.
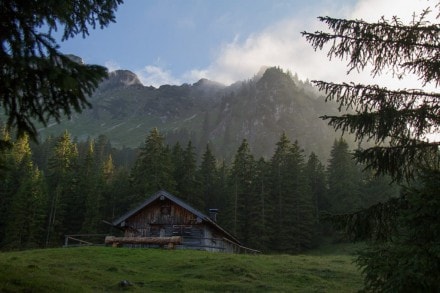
(182,41)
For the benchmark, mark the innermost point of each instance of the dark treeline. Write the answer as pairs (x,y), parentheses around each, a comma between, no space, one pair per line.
(274,204)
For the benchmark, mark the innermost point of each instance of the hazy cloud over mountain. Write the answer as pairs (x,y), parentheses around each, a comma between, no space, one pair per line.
(281,44)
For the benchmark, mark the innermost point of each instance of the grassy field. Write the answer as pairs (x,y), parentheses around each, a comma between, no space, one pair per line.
(97,269)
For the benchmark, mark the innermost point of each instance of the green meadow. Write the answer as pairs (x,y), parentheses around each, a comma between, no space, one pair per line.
(107,269)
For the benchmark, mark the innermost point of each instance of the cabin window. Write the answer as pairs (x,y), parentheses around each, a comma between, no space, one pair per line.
(182,230)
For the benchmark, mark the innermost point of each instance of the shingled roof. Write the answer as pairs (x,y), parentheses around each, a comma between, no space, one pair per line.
(179,202)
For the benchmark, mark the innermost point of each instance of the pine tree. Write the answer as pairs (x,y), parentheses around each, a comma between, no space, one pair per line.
(315,173)
(6,178)
(293,219)
(316,178)
(39,83)
(396,120)
(221,194)
(27,211)
(241,181)
(153,169)
(344,180)
(305,218)
(409,261)
(261,210)
(207,177)
(404,231)
(91,185)
(117,199)
(25,200)
(62,180)
(190,186)
(178,169)
(280,200)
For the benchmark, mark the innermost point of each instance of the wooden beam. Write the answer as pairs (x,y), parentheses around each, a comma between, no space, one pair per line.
(144,240)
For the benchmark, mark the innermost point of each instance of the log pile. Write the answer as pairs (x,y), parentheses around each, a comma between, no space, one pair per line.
(169,241)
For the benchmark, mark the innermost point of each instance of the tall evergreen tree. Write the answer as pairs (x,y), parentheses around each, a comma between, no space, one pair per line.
(39,83)
(153,169)
(221,195)
(62,180)
(261,210)
(398,122)
(207,176)
(305,218)
(344,180)
(91,185)
(315,173)
(6,178)
(117,199)
(281,199)
(178,170)
(293,218)
(190,186)
(25,200)
(241,181)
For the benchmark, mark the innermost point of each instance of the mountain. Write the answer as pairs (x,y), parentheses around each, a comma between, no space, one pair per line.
(259,109)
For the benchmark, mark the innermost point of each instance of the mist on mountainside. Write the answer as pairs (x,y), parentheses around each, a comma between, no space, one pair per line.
(259,109)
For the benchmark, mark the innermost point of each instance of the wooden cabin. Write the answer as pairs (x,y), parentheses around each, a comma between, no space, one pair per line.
(164,220)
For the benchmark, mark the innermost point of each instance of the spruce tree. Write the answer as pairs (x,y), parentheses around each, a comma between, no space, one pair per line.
(117,199)
(241,181)
(23,213)
(153,169)
(91,186)
(293,218)
(280,198)
(38,82)
(207,177)
(395,120)
(403,231)
(259,216)
(315,173)
(64,208)
(221,195)
(304,220)
(344,180)
(189,187)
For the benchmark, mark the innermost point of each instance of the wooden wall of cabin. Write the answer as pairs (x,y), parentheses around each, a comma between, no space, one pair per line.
(164,218)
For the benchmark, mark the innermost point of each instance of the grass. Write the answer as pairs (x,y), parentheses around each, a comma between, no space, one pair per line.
(99,269)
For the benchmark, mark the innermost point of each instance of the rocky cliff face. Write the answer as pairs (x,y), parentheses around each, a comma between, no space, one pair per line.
(120,78)
(259,109)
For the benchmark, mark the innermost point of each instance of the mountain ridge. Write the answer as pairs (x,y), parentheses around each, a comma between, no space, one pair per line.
(259,109)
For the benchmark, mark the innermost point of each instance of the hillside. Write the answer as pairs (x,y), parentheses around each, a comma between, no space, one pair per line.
(259,109)
(92,269)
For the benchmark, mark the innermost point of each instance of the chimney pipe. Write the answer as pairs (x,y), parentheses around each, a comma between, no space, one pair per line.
(213,214)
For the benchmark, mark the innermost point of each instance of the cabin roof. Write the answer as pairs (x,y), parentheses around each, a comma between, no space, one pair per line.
(179,202)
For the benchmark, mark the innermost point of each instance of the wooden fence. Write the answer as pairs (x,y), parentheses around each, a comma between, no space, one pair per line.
(83,240)
(76,240)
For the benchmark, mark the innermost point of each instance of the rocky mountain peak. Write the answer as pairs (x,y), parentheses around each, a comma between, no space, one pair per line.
(206,83)
(125,77)
(120,78)
(275,76)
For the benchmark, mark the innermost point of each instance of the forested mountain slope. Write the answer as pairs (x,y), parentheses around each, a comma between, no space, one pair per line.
(259,110)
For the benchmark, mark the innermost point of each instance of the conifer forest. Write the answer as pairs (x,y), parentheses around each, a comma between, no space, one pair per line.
(62,186)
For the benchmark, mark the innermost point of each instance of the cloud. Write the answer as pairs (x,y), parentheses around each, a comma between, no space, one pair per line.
(371,10)
(156,76)
(241,59)
(112,65)
(282,45)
